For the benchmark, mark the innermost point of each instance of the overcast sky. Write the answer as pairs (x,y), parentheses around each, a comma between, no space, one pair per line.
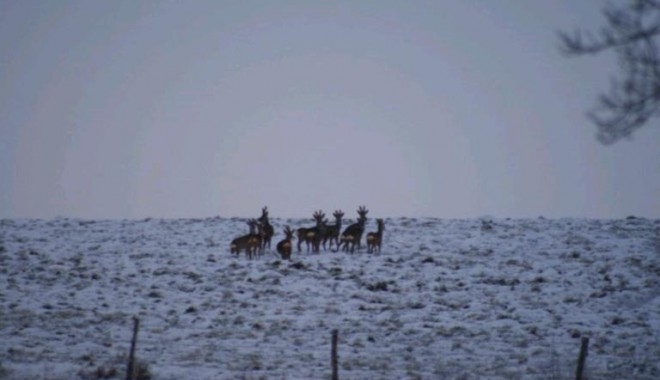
(448,108)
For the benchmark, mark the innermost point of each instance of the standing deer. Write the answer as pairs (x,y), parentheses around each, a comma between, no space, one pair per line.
(312,236)
(374,239)
(332,231)
(268,230)
(244,242)
(255,243)
(353,233)
(284,246)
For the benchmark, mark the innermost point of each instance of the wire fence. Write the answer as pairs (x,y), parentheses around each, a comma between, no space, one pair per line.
(255,349)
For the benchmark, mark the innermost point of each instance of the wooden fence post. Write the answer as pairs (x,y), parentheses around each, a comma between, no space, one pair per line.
(584,348)
(131,356)
(333,354)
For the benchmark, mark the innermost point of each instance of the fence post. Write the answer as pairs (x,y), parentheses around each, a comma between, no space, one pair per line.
(333,354)
(131,356)
(584,348)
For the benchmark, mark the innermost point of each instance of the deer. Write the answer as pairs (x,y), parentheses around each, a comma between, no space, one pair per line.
(353,233)
(255,242)
(284,246)
(375,239)
(332,231)
(244,242)
(268,230)
(312,235)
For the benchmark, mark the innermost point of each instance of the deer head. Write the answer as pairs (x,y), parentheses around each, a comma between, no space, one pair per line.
(264,215)
(362,212)
(253,225)
(338,214)
(288,232)
(319,217)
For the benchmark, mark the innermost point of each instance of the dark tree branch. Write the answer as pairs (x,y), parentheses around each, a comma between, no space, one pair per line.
(632,32)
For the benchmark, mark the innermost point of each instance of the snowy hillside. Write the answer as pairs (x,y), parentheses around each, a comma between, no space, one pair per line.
(446,299)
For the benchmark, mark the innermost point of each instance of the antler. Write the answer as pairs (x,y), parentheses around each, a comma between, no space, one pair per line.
(338,214)
(362,210)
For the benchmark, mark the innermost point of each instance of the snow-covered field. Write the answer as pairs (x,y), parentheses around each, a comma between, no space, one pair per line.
(446,299)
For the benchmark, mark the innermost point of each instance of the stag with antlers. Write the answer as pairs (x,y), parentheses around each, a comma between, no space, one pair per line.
(353,233)
(314,235)
(332,231)
(284,246)
(245,242)
(268,230)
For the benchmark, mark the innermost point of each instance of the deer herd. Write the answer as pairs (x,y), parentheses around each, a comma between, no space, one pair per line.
(321,234)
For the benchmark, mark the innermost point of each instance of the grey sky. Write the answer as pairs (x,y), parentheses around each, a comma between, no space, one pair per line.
(453,108)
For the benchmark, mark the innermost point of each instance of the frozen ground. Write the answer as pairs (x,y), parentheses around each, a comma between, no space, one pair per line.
(446,299)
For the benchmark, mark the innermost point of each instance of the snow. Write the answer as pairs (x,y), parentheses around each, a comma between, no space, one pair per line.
(446,299)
